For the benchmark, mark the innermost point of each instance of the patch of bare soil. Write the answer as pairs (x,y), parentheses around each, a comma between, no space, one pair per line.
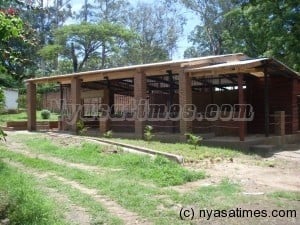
(279,172)
(113,207)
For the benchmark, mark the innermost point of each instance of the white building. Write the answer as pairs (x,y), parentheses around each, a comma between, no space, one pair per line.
(11,99)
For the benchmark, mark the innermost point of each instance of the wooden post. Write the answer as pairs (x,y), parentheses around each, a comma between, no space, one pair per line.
(294,106)
(31,106)
(185,97)
(279,123)
(76,100)
(104,123)
(266,101)
(242,107)
(140,94)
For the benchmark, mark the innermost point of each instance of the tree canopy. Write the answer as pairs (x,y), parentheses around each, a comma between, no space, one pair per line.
(41,38)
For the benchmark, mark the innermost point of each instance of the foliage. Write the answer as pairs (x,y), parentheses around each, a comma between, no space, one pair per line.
(193,139)
(257,28)
(148,133)
(85,40)
(81,128)
(108,134)
(158,30)
(45,114)
(266,28)
(17,41)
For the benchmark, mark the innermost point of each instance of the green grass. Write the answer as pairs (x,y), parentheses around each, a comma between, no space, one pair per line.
(139,186)
(22,203)
(99,214)
(294,196)
(184,149)
(144,199)
(23,117)
(161,171)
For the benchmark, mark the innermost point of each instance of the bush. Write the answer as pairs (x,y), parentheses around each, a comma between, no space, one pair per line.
(45,114)
(81,128)
(108,134)
(22,102)
(148,133)
(193,139)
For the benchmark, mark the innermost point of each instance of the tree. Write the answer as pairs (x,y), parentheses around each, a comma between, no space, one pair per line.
(266,28)
(207,36)
(15,43)
(80,42)
(158,29)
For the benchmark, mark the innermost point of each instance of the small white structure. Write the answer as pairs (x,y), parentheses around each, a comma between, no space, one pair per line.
(11,99)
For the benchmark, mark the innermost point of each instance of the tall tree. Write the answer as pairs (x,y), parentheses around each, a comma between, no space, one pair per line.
(80,42)
(207,35)
(158,32)
(266,28)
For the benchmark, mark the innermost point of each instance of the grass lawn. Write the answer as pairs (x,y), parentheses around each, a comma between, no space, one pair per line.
(140,186)
(23,117)
(22,203)
(184,149)
(138,183)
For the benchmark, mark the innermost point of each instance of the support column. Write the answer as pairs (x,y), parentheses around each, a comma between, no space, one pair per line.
(185,97)
(104,122)
(294,105)
(76,101)
(31,106)
(242,113)
(140,94)
(266,101)
(279,123)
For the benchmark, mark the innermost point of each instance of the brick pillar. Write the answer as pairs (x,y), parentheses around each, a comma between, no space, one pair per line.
(242,108)
(185,97)
(280,123)
(31,106)
(140,94)
(76,101)
(104,123)
(294,105)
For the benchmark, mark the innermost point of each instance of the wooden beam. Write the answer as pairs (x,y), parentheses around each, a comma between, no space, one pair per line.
(31,106)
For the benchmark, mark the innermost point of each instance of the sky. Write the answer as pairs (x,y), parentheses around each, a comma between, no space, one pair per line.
(182,44)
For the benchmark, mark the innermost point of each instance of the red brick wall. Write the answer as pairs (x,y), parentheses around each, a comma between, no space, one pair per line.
(282,97)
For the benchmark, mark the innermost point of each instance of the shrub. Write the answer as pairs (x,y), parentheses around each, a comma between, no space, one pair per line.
(45,114)
(193,139)
(81,129)
(108,134)
(22,102)
(148,135)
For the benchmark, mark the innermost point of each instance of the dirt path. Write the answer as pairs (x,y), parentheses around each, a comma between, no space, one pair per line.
(113,207)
